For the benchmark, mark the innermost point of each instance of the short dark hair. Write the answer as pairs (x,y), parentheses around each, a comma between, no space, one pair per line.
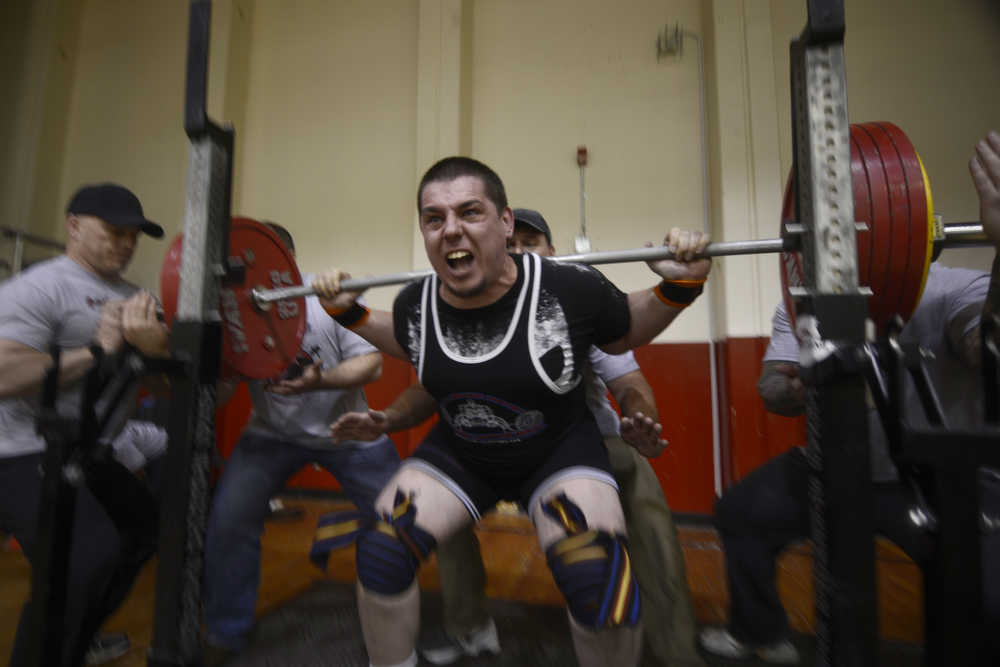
(283,234)
(454,167)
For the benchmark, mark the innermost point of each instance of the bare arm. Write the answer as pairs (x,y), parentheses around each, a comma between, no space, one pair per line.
(633,394)
(376,328)
(353,372)
(649,314)
(640,425)
(781,389)
(22,368)
(412,407)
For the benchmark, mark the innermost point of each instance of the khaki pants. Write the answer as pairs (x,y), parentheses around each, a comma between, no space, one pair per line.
(667,614)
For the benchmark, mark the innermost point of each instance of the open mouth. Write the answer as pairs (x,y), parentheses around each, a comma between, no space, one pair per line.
(459,259)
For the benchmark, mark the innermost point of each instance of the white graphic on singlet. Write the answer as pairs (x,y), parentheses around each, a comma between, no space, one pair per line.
(483,418)
(474,340)
(413,330)
(549,330)
(473,415)
(552,332)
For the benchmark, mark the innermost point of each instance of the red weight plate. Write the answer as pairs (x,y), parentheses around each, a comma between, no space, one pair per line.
(862,213)
(921,236)
(899,202)
(256,343)
(170,279)
(884,270)
(261,343)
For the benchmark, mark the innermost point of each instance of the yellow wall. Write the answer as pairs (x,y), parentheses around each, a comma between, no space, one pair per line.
(125,115)
(340,106)
(329,138)
(550,76)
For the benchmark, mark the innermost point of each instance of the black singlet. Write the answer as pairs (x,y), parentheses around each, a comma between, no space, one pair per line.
(507,376)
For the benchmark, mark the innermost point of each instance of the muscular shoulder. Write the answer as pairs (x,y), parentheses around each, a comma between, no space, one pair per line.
(406,316)
(571,275)
(409,296)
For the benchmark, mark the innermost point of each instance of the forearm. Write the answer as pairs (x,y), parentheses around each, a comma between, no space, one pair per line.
(633,395)
(158,347)
(634,402)
(412,407)
(377,330)
(649,316)
(22,371)
(353,372)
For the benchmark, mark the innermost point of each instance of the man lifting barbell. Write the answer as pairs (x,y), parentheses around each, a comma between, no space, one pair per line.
(653,542)
(501,345)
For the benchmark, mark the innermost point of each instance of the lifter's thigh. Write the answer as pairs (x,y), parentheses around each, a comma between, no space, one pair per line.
(596,499)
(438,510)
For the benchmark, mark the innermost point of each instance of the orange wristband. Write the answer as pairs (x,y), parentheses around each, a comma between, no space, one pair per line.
(679,293)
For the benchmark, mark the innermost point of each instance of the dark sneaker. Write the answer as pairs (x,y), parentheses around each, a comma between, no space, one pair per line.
(106,647)
(450,649)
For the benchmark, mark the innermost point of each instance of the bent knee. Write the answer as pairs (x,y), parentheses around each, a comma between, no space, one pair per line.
(593,570)
(385,564)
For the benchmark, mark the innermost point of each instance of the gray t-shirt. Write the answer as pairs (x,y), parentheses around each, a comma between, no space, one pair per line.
(604,368)
(53,302)
(948,291)
(305,419)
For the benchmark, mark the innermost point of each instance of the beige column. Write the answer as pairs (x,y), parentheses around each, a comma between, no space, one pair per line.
(746,159)
(439,92)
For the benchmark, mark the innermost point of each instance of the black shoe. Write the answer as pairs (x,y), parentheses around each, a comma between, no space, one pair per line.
(106,647)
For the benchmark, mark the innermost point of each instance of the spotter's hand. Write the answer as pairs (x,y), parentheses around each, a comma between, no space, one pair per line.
(643,433)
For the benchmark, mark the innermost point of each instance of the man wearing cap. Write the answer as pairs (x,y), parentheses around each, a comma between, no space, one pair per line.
(654,545)
(79,302)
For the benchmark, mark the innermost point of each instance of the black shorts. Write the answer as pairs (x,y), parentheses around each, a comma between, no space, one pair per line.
(479,484)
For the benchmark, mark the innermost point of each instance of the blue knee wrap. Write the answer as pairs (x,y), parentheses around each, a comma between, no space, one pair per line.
(390,548)
(592,569)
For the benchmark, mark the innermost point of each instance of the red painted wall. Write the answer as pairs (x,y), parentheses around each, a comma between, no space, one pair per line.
(679,374)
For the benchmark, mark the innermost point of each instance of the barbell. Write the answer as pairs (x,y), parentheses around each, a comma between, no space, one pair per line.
(264,315)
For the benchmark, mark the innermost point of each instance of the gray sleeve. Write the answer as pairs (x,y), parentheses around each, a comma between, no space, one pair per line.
(969,289)
(610,367)
(28,315)
(783,346)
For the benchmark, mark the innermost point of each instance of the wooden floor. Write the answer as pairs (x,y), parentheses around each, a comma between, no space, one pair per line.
(517,571)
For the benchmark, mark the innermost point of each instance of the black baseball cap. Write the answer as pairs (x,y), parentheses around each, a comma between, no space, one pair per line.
(533,219)
(115,205)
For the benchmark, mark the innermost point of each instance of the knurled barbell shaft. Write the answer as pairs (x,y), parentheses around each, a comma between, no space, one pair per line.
(958,233)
